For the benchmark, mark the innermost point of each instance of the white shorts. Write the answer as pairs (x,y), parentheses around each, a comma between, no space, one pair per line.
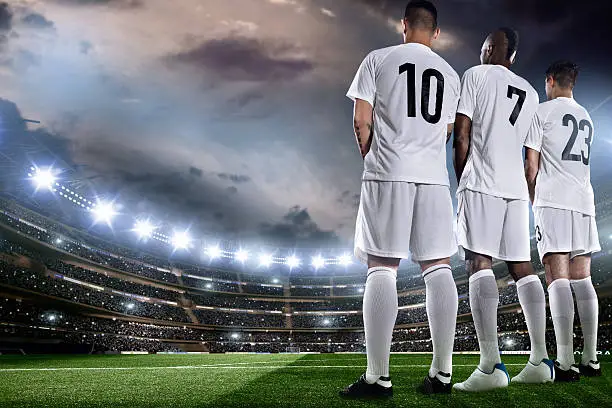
(402,220)
(563,231)
(493,226)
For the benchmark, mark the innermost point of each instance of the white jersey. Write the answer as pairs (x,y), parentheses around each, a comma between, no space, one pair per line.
(562,131)
(414,93)
(501,106)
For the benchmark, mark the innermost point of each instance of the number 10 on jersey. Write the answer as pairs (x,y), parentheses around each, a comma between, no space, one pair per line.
(429,73)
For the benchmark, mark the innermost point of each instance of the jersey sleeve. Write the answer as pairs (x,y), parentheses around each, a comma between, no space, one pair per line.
(467,99)
(364,83)
(535,133)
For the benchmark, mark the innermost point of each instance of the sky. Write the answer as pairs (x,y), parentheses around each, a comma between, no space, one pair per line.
(230,116)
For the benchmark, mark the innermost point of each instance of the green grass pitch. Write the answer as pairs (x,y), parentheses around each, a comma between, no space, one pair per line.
(285,380)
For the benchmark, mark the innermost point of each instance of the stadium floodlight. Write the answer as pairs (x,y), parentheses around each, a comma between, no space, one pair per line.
(318,262)
(213,252)
(44,178)
(144,229)
(344,260)
(104,212)
(293,262)
(275,280)
(130,306)
(241,256)
(181,240)
(265,260)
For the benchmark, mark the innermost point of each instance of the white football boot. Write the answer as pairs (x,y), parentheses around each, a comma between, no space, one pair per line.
(480,381)
(536,374)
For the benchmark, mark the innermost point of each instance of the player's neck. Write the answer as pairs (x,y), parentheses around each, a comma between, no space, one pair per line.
(416,37)
(563,93)
(503,63)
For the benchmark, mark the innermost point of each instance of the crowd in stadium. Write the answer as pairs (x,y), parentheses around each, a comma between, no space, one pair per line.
(37,282)
(264,323)
(18,318)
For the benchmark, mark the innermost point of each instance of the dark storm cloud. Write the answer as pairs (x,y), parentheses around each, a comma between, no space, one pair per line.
(246,98)
(6,17)
(246,59)
(151,186)
(234,178)
(297,228)
(194,171)
(37,20)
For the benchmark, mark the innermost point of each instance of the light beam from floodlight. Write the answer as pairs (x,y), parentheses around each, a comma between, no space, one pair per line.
(265,260)
(144,229)
(44,178)
(104,212)
(345,260)
(318,262)
(293,261)
(241,255)
(181,240)
(213,252)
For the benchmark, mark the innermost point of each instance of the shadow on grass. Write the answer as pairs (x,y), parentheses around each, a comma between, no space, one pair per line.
(308,383)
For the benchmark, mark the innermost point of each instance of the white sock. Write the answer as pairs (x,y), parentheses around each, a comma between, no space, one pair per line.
(562,311)
(379,314)
(441,302)
(533,302)
(588,310)
(484,299)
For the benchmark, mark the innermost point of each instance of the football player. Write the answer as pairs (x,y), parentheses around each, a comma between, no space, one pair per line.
(557,168)
(405,100)
(495,111)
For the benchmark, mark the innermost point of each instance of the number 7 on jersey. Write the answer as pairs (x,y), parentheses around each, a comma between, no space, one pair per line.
(519,103)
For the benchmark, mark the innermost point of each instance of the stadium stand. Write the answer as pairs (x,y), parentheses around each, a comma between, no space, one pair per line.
(61,284)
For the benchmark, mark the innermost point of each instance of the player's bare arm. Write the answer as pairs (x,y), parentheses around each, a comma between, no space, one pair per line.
(362,124)
(461,143)
(449,131)
(532,166)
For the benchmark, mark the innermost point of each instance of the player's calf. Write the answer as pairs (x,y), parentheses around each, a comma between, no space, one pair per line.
(441,305)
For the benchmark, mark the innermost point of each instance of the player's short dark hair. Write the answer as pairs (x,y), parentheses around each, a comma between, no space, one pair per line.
(513,40)
(422,14)
(564,72)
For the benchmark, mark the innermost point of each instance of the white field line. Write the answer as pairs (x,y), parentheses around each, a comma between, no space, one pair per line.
(224,367)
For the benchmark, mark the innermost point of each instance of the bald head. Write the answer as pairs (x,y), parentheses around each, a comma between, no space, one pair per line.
(500,47)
